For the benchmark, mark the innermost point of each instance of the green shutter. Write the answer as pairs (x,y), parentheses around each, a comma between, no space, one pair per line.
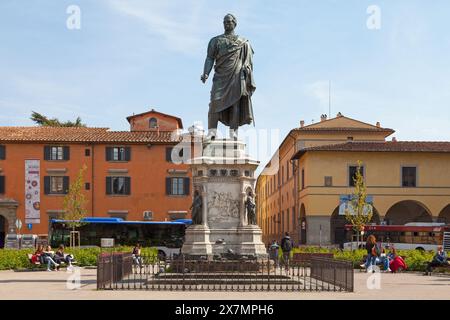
(2,184)
(186,186)
(169,154)
(108,185)
(47,185)
(108,151)
(66,153)
(47,153)
(65,184)
(168,186)
(127,153)
(2,152)
(127,185)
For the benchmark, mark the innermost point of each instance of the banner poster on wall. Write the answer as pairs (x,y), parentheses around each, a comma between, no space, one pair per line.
(345,204)
(32,192)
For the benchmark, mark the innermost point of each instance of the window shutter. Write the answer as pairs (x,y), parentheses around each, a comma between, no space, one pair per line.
(108,153)
(65,184)
(2,184)
(47,153)
(47,185)
(168,186)
(2,152)
(127,153)
(169,154)
(127,185)
(66,153)
(186,186)
(108,185)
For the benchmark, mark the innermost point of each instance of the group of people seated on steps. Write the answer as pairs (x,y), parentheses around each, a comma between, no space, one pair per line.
(51,258)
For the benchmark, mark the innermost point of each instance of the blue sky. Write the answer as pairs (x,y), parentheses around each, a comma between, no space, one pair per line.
(131,56)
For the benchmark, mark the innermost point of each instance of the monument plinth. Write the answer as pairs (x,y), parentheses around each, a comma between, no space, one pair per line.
(225,177)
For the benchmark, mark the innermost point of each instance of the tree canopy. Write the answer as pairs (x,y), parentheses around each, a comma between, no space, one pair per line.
(44,121)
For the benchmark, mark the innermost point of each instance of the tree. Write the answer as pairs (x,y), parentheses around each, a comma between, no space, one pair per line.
(74,202)
(359,212)
(44,121)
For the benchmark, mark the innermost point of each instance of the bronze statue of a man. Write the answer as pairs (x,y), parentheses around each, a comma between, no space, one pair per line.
(233,83)
(251,209)
(197,205)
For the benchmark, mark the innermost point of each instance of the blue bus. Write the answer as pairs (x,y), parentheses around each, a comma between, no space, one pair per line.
(166,236)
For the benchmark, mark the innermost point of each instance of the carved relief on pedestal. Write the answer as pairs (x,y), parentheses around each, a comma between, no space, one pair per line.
(223,208)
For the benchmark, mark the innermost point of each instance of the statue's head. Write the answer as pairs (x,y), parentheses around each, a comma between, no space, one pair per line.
(196,193)
(229,22)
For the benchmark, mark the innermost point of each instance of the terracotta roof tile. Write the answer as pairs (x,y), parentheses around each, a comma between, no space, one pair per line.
(345,129)
(385,146)
(79,134)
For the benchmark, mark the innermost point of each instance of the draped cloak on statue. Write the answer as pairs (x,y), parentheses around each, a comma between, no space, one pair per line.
(233,78)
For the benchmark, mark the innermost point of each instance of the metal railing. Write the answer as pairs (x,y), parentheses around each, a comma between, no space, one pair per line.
(122,272)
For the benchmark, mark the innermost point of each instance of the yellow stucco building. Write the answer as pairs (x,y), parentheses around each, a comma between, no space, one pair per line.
(301,189)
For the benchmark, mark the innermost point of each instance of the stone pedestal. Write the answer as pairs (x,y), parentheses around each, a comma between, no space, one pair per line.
(197,241)
(224,175)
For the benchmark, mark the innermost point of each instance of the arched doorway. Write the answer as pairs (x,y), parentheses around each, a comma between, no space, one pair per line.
(3,230)
(338,222)
(444,216)
(407,211)
(302,224)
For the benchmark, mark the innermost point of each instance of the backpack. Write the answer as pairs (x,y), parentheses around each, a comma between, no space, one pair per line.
(287,244)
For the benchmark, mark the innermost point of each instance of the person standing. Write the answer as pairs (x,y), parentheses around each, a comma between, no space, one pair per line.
(286,247)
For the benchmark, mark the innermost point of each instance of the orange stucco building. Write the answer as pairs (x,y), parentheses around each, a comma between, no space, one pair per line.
(129,174)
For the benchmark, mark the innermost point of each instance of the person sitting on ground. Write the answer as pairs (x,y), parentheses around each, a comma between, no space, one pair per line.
(49,258)
(137,255)
(373,251)
(396,262)
(439,259)
(383,259)
(61,257)
(36,257)
(286,247)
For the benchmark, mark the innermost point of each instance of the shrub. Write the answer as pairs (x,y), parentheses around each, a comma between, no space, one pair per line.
(18,259)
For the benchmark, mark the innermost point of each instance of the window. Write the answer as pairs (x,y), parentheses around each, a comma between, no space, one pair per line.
(118,153)
(352,175)
(2,184)
(328,181)
(350,138)
(56,184)
(2,152)
(153,123)
(282,175)
(169,154)
(287,171)
(118,185)
(303,178)
(87,152)
(87,186)
(177,186)
(409,176)
(56,153)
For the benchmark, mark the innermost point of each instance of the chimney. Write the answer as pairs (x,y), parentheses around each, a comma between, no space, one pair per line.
(302,123)
(323,117)
(378,125)
(394,139)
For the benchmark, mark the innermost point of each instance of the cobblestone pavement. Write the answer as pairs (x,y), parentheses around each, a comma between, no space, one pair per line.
(53,285)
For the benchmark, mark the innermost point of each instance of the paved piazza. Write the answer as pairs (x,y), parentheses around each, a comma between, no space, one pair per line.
(53,285)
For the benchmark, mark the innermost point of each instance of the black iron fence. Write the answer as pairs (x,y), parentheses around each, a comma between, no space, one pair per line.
(122,272)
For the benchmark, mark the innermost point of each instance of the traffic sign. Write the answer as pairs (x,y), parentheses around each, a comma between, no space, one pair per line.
(18,224)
